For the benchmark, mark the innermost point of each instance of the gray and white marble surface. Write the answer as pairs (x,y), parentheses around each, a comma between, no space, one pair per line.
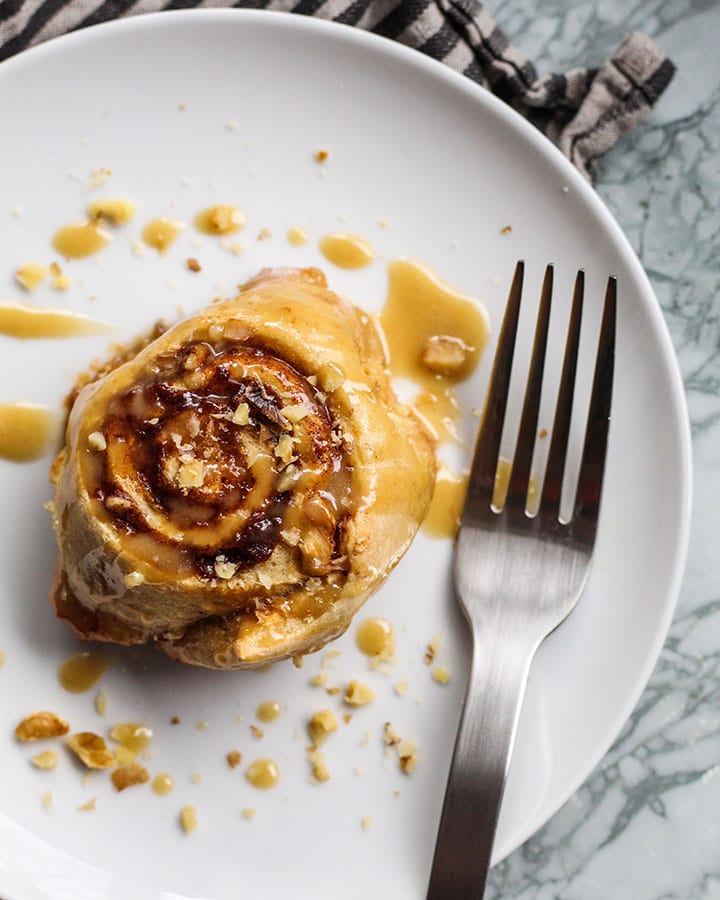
(646,825)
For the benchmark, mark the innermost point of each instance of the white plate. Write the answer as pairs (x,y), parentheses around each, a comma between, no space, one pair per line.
(189,109)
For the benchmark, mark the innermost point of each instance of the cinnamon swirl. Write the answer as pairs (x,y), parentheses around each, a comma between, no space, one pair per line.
(236,488)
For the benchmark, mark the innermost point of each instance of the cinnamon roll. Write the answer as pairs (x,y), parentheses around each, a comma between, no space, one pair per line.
(234,489)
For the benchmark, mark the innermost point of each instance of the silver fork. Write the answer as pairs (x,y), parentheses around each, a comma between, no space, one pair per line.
(517,575)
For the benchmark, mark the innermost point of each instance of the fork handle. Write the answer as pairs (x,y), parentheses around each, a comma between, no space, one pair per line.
(498,675)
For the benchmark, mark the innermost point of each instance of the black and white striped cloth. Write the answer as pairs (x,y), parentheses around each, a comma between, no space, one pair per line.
(584,111)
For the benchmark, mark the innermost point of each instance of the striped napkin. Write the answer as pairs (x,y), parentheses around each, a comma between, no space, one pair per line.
(584,111)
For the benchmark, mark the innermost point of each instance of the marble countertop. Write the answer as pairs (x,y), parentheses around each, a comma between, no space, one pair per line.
(646,825)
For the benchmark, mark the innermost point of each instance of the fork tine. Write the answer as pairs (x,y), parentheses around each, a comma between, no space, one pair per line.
(527,432)
(487,448)
(592,464)
(555,468)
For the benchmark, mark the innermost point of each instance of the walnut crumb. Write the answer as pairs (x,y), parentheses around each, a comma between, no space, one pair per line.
(322,724)
(401,688)
(234,758)
(191,474)
(89,806)
(264,234)
(241,416)
(133,579)
(390,736)
(248,813)
(129,775)
(188,818)
(193,265)
(91,750)
(441,674)
(46,760)
(367,823)
(101,703)
(258,732)
(41,725)
(444,355)
(407,756)
(358,694)
(506,230)
(31,275)
(432,650)
(298,660)
(321,156)
(320,769)
(96,441)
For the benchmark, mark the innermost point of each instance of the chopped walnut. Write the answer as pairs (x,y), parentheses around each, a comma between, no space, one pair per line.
(91,749)
(321,156)
(191,474)
(390,736)
(320,769)
(284,448)
(441,674)
(128,776)
(444,355)
(30,275)
(407,756)
(241,416)
(41,725)
(506,229)
(188,818)
(432,650)
(358,694)
(133,579)
(224,569)
(234,758)
(295,412)
(321,725)
(134,736)
(116,211)
(47,760)
(193,265)
(96,441)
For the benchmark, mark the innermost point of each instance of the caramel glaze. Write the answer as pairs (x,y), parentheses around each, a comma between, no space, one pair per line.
(240,503)
(80,672)
(421,316)
(27,431)
(21,321)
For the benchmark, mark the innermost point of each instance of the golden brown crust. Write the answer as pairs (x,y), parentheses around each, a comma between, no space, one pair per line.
(239,487)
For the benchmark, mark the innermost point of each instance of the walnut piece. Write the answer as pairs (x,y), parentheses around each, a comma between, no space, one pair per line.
(47,760)
(358,694)
(41,725)
(321,724)
(127,776)
(91,750)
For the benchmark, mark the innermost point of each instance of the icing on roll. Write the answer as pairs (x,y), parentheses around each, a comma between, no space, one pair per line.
(234,489)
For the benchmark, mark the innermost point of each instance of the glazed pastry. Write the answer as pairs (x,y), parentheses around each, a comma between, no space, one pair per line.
(238,487)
